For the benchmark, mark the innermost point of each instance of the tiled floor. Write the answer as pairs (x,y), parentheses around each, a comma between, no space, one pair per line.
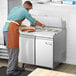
(3,62)
(67,68)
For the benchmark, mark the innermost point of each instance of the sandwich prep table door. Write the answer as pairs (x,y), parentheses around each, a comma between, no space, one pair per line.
(26,54)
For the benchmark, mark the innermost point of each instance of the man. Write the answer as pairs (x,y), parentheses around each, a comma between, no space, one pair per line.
(11,34)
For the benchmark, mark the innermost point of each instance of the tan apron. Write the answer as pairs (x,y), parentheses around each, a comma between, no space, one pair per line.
(13,34)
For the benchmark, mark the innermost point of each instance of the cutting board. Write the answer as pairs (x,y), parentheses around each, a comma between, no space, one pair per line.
(45,72)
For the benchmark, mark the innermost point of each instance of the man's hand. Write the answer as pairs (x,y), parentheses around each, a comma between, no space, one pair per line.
(39,24)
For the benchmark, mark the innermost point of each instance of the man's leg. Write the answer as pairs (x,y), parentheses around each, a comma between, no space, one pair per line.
(13,60)
(13,56)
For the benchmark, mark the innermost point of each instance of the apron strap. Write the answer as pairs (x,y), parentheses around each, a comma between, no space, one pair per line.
(12,21)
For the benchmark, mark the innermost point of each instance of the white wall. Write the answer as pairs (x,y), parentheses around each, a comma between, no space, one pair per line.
(5,7)
(68,13)
(3,16)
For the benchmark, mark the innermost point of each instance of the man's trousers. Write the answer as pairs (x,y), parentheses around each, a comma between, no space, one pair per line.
(13,56)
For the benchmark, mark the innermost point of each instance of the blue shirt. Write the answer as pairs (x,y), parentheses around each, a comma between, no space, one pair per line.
(18,13)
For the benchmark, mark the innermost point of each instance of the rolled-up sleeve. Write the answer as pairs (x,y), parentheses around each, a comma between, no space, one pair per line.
(30,18)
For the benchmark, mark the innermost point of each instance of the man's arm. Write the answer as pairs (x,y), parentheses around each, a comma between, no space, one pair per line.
(33,21)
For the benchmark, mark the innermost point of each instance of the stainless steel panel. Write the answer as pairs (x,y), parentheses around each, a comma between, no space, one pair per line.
(44,52)
(49,21)
(26,54)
